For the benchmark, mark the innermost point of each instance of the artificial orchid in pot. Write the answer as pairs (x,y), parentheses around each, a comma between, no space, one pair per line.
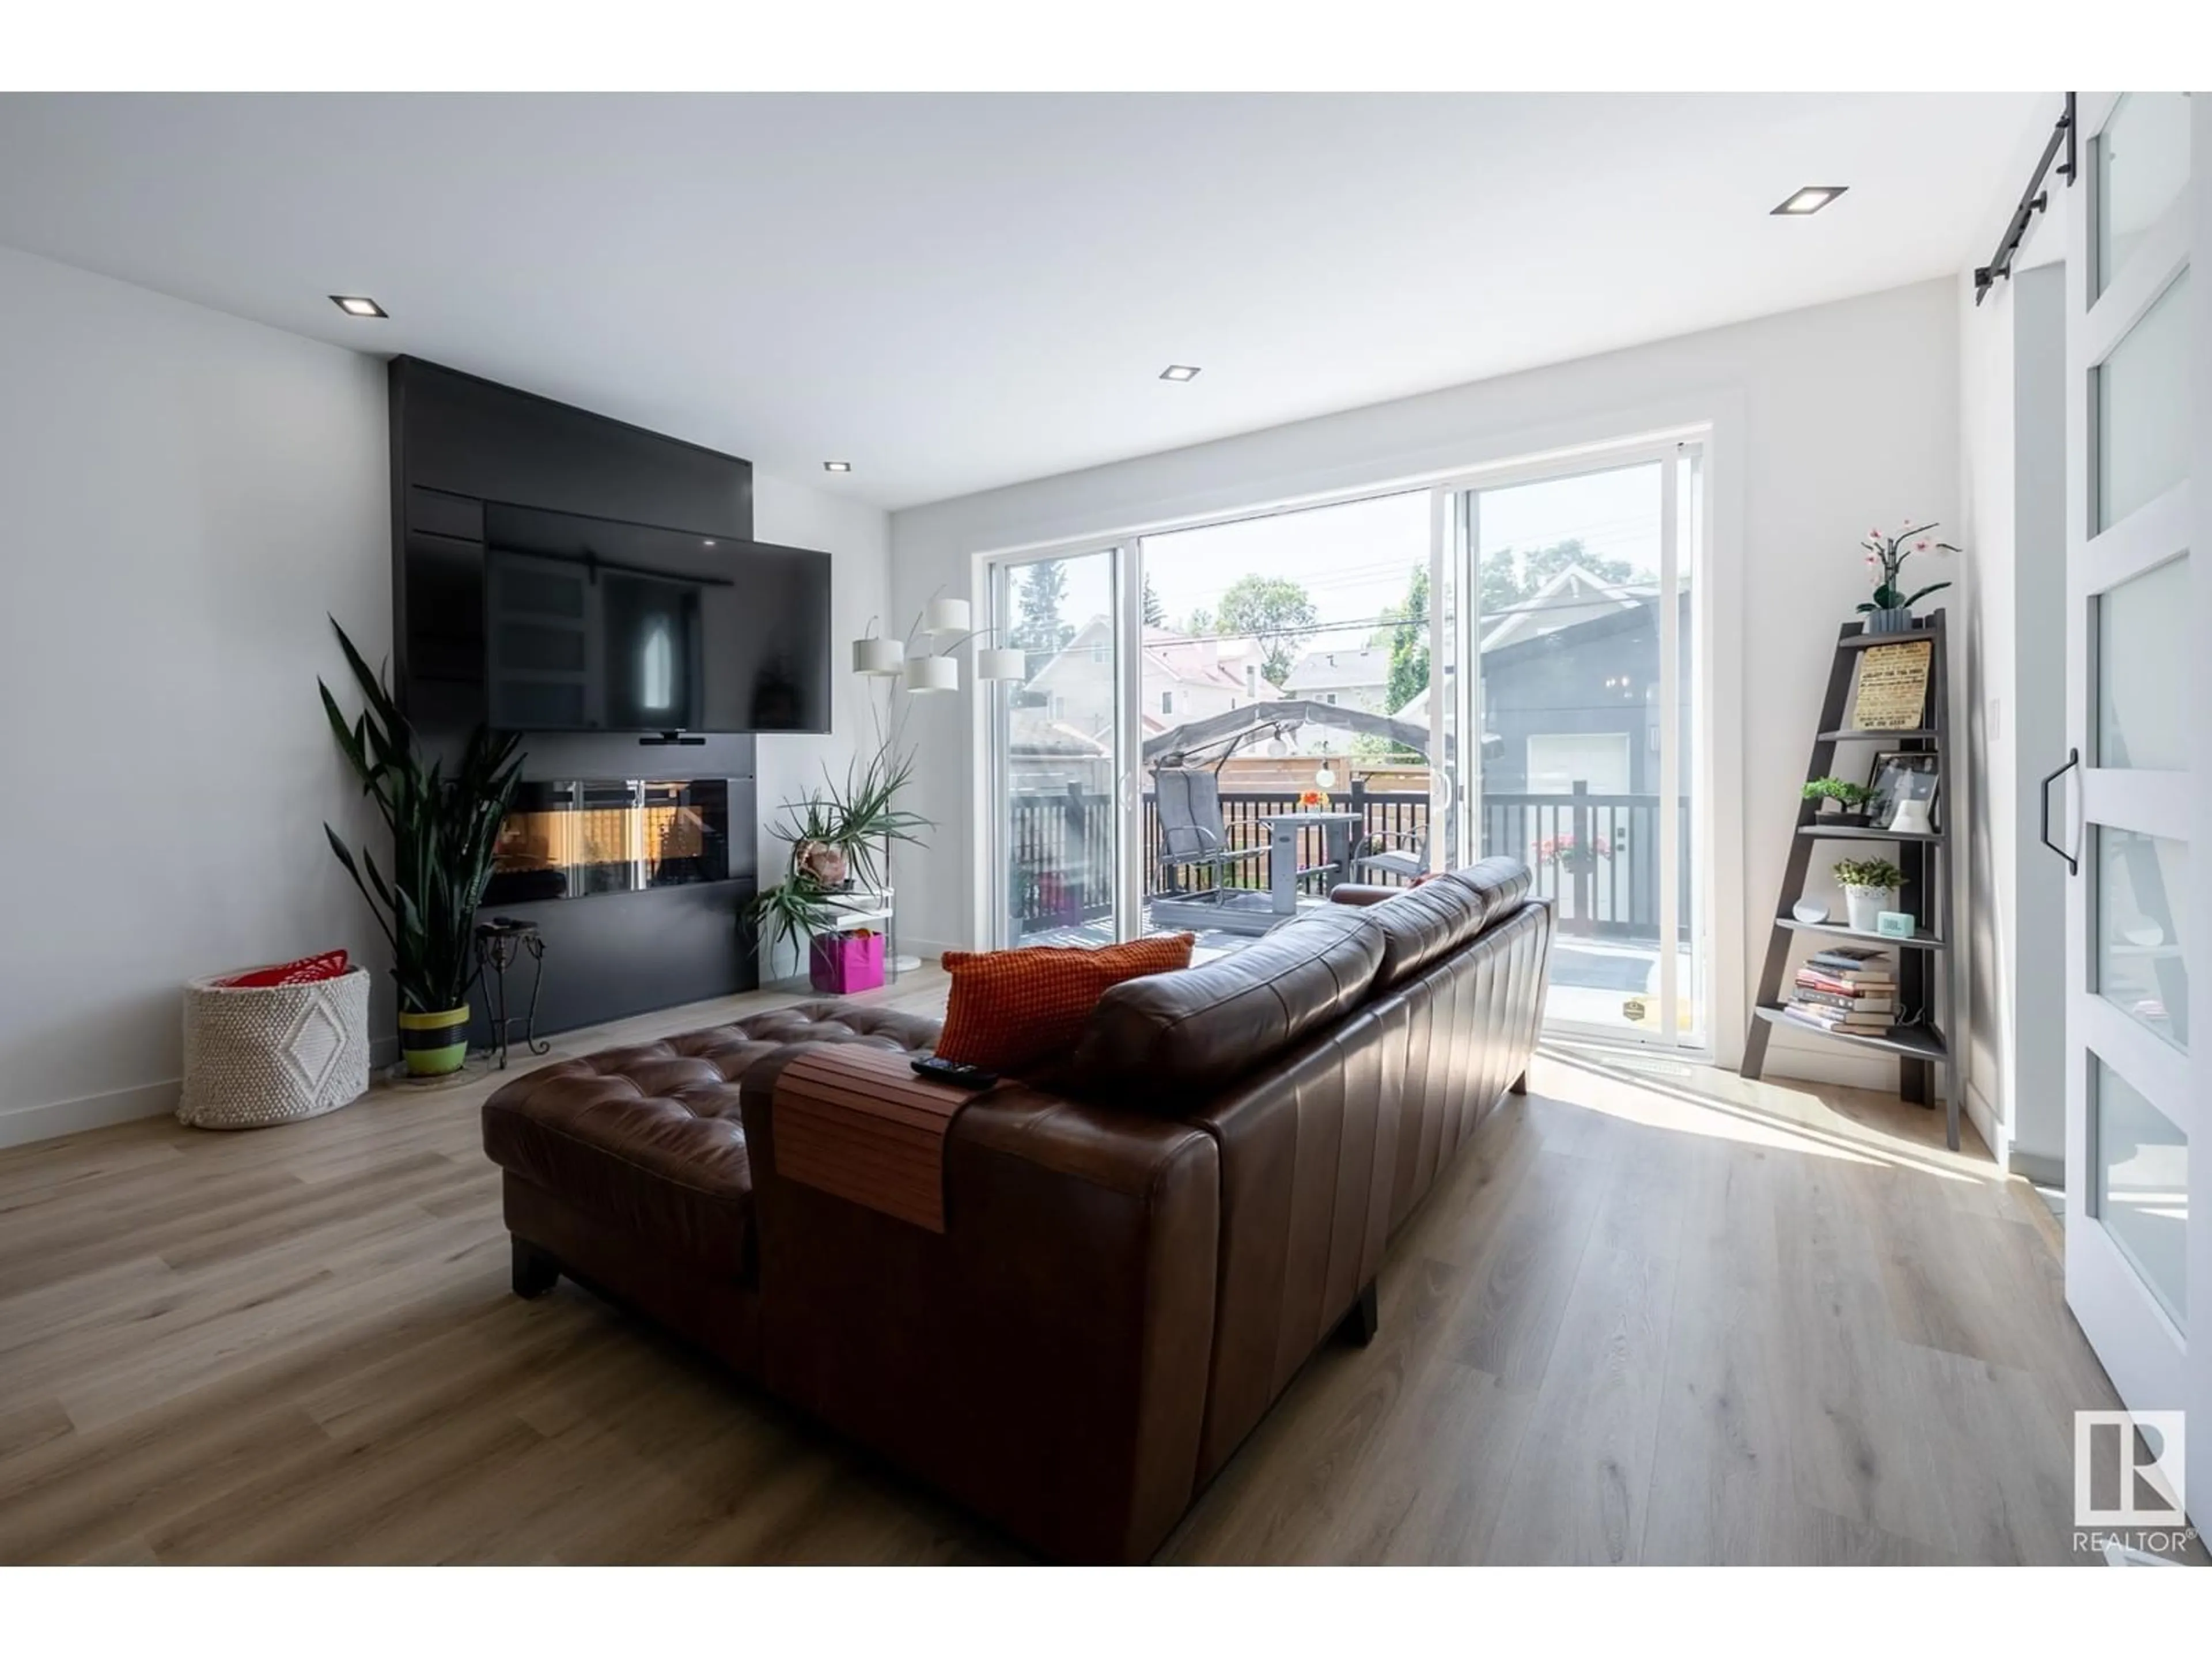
(1890,610)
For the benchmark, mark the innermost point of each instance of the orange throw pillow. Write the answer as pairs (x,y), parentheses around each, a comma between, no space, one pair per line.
(1010,1009)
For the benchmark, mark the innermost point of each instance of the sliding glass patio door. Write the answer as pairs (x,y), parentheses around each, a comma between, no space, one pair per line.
(1057,767)
(1220,723)
(1580,628)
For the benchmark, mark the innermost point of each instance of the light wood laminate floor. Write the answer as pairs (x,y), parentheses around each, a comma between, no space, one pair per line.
(1664,1316)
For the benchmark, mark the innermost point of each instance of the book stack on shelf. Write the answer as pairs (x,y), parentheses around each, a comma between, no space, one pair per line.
(1850,988)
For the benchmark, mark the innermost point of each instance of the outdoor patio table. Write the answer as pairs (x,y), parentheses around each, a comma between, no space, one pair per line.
(1337,831)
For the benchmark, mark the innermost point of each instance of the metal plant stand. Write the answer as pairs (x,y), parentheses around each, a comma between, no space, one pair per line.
(501,943)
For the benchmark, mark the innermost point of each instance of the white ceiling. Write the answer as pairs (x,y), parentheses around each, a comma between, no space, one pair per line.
(955,292)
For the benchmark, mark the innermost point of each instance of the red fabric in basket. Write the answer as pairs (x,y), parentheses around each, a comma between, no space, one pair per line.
(306,970)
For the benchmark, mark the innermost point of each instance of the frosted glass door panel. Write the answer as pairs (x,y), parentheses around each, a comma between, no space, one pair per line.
(2142,899)
(2142,162)
(2143,410)
(2142,1187)
(2144,717)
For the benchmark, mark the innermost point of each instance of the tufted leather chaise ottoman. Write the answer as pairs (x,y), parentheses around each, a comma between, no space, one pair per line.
(627,1169)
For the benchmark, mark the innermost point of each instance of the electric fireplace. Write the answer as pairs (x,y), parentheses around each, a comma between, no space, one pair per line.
(574,837)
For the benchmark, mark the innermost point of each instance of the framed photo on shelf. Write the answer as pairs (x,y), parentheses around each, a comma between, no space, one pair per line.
(1905,780)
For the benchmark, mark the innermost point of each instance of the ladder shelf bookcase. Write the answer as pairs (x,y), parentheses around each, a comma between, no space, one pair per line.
(1924,990)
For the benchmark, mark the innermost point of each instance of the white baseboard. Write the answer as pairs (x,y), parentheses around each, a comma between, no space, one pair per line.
(928,949)
(21,1125)
(1994,1136)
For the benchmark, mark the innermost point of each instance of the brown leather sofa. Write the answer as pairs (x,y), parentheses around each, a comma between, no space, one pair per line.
(1139,1251)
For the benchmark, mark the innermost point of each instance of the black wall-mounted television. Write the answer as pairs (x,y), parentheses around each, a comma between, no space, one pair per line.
(595,625)
(558,572)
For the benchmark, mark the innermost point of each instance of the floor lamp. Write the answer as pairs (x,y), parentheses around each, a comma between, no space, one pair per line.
(924,672)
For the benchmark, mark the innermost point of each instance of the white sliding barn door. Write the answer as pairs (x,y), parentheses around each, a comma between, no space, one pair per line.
(2138,674)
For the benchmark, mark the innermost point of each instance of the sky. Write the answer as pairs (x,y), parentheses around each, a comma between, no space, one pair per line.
(1355,559)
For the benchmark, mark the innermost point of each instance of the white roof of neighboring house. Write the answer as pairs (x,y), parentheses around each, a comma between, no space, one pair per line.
(1575,595)
(1182,659)
(1339,670)
(1059,738)
(1199,659)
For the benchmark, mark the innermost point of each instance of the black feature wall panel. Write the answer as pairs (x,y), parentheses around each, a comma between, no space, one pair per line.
(457,443)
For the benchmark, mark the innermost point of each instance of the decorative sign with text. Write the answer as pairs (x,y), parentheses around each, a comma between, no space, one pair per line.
(1892,686)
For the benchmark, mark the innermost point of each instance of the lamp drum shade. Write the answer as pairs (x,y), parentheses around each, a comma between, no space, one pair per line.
(945,616)
(878,655)
(932,674)
(1002,663)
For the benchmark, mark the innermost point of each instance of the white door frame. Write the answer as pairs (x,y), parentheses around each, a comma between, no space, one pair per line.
(1669,452)
(2147,1352)
(1714,420)
(987,849)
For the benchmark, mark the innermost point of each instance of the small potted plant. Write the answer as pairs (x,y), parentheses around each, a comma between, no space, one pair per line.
(1890,610)
(1842,802)
(1870,886)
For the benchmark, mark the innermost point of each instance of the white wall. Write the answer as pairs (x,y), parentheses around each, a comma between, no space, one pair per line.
(1827,420)
(2013,423)
(858,539)
(183,499)
(2012,493)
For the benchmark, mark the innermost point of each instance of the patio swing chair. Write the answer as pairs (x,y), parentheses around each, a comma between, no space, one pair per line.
(1194,837)
(1195,841)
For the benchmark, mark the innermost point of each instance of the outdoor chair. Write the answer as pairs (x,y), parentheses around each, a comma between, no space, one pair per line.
(1390,855)
(1193,836)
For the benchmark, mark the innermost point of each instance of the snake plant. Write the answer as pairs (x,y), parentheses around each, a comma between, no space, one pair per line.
(443,829)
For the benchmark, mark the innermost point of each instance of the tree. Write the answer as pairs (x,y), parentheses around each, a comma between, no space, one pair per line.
(1156,613)
(1038,625)
(1198,623)
(1510,580)
(1274,610)
(1409,643)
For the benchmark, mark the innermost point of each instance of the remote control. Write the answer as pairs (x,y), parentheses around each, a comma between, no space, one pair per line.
(952,1072)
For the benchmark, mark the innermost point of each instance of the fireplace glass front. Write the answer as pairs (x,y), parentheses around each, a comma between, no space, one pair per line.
(572,838)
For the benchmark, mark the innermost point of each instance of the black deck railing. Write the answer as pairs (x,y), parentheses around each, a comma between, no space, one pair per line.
(1596,856)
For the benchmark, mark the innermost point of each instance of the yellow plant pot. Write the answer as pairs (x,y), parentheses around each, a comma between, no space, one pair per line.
(435,1045)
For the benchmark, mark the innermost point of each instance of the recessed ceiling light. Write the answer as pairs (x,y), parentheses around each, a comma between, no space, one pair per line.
(357,305)
(1811,199)
(1178,372)
(708,542)
(837,466)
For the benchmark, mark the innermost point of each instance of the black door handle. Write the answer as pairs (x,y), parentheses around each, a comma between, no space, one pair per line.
(2073,760)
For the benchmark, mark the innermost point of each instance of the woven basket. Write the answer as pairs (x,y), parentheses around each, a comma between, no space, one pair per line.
(275,1054)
